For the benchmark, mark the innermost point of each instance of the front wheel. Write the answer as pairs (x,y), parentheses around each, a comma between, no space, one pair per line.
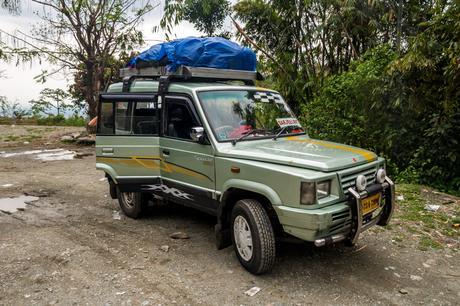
(133,204)
(253,236)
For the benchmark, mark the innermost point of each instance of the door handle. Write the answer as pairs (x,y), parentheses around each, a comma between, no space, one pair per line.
(107,151)
(165,152)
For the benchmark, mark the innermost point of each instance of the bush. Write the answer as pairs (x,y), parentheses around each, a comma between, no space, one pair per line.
(60,120)
(373,106)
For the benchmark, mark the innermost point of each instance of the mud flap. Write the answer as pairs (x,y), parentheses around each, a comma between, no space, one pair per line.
(223,238)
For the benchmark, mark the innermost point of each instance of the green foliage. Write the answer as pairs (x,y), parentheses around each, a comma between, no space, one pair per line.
(404,108)
(53,102)
(60,120)
(206,15)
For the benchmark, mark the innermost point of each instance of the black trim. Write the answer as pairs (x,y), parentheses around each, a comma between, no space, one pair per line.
(132,96)
(201,199)
(135,184)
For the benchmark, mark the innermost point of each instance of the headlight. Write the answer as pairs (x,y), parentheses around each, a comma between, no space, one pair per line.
(361,182)
(323,189)
(311,191)
(307,193)
(380,176)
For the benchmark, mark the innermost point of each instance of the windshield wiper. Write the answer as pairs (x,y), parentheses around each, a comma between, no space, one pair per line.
(251,132)
(283,129)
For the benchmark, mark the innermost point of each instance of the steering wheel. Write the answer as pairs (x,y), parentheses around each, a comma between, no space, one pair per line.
(225,129)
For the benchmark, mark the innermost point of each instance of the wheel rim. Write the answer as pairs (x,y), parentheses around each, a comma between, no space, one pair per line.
(128,199)
(243,237)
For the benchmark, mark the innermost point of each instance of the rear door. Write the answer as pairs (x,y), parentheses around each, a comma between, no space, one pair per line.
(127,141)
(188,167)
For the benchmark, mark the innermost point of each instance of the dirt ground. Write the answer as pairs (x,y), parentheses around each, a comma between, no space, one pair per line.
(67,248)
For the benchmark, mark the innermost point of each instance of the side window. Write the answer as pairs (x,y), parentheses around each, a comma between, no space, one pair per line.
(179,119)
(123,118)
(145,119)
(128,118)
(106,121)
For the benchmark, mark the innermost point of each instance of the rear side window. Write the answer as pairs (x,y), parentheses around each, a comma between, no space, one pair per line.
(106,123)
(128,118)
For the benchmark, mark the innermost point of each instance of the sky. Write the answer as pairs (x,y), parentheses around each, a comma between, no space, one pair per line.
(19,84)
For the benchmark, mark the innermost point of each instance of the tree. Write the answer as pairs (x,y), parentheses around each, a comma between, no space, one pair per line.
(207,16)
(52,102)
(13,6)
(11,109)
(83,36)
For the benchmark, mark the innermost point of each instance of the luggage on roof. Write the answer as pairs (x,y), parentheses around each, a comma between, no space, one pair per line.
(209,52)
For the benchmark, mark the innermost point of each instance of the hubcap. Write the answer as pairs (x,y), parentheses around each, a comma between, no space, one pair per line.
(243,237)
(128,199)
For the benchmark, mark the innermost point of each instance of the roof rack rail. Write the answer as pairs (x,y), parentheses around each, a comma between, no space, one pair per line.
(187,73)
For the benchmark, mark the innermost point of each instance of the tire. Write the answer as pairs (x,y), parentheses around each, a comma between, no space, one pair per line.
(133,204)
(248,216)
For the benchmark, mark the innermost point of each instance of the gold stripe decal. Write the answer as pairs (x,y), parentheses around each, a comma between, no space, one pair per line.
(154,163)
(367,155)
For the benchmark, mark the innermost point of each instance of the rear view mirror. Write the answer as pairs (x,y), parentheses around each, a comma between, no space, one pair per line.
(197,134)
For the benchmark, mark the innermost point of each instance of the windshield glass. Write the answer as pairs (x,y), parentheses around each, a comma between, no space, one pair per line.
(235,113)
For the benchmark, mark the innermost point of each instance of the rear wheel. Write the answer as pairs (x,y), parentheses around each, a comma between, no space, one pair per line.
(253,236)
(133,204)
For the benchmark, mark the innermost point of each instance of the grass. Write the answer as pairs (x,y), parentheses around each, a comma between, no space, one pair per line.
(21,138)
(433,229)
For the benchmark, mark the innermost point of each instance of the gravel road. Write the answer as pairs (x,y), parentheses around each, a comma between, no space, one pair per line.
(69,247)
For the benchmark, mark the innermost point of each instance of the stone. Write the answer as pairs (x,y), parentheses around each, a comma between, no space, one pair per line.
(179,235)
(164,248)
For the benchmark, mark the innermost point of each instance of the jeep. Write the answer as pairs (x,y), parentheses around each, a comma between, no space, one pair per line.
(210,139)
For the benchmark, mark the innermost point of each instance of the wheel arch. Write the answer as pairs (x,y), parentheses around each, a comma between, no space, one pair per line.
(235,190)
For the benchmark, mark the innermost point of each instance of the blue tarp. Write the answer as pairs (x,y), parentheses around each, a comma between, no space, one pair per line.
(210,52)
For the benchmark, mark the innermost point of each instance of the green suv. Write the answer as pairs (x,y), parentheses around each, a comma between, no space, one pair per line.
(211,140)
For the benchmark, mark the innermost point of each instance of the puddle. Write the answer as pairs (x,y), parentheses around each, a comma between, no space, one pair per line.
(12,205)
(44,155)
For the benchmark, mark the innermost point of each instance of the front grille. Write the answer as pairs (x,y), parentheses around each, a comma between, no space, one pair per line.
(347,179)
(341,222)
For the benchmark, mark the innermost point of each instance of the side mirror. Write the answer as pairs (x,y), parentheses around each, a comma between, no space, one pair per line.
(197,134)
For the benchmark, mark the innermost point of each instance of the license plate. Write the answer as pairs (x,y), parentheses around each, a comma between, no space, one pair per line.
(370,204)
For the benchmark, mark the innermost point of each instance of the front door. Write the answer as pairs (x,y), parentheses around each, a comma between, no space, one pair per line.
(187,171)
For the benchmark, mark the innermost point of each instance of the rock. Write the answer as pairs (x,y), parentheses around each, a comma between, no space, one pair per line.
(164,248)
(81,155)
(38,278)
(67,138)
(400,198)
(179,235)
(75,135)
(432,207)
(86,141)
(416,278)
(403,291)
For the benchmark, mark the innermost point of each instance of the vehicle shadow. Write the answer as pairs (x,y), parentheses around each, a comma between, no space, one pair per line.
(337,263)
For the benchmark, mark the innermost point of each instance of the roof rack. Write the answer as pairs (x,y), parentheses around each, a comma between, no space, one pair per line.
(188,72)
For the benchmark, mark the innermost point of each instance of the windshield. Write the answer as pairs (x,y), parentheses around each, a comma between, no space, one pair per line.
(233,114)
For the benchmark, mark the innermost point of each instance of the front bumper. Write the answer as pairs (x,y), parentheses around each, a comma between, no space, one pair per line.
(341,221)
(388,188)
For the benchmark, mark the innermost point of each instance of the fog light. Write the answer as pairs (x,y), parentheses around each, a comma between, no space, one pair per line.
(380,176)
(361,182)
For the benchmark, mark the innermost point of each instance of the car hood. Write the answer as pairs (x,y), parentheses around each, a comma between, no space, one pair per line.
(301,151)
